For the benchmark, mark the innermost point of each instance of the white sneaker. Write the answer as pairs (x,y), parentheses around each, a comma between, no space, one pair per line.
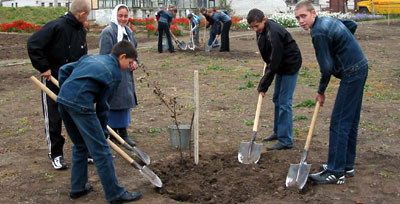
(59,163)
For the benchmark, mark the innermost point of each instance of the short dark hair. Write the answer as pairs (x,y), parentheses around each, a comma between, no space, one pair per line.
(255,15)
(190,16)
(124,47)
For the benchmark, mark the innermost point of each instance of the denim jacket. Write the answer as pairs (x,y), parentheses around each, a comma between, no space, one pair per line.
(336,48)
(92,79)
(165,17)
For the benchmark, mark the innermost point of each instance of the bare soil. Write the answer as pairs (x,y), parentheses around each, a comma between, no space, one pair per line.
(228,102)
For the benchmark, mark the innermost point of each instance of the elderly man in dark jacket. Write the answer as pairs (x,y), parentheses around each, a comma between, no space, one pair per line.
(280,51)
(59,42)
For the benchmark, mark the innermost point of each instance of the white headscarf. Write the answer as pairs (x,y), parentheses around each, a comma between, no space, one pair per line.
(114,15)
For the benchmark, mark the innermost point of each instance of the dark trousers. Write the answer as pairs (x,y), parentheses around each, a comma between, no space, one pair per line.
(344,121)
(87,135)
(225,36)
(53,122)
(163,27)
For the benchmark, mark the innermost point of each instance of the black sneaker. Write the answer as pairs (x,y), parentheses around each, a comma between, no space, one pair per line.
(279,146)
(348,172)
(59,163)
(325,177)
(79,194)
(272,137)
(127,197)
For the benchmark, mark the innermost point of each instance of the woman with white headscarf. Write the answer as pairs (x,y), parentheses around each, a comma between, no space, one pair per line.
(124,98)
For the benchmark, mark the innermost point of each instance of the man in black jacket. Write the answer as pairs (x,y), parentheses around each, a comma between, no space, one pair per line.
(280,51)
(59,42)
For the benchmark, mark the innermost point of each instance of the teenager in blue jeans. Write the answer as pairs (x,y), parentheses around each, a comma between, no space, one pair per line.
(280,51)
(164,22)
(213,30)
(338,54)
(93,79)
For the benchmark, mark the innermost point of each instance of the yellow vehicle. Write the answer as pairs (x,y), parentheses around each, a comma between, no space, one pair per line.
(379,6)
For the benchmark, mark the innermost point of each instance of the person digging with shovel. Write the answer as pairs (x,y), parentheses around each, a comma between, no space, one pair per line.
(280,51)
(339,54)
(164,22)
(93,79)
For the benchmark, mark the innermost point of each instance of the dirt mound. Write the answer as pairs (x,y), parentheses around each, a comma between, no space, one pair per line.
(220,178)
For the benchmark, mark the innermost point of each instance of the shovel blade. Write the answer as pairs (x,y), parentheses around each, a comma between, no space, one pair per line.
(141,155)
(151,176)
(298,175)
(207,48)
(247,157)
(182,45)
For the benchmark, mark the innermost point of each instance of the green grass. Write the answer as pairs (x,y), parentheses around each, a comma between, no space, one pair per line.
(249,85)
(216,67)
(306,103)
(34,15)
(300,117)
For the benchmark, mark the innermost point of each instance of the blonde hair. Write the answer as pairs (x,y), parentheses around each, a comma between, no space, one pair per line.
(304,3)
(80,6)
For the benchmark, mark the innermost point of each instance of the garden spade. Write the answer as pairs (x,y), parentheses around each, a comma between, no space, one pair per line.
(191,44)
(207,47)
(135,150)
(182,45)
(250,152)
(144,170)
(298,173)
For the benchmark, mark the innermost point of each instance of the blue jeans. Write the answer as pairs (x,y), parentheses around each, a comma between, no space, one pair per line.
(344,121)
(87,135)
(212,37)
(282,98)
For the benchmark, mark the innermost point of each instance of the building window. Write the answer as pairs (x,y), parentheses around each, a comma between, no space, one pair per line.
(51,4)
(42,4)
(16,4)
(59,4)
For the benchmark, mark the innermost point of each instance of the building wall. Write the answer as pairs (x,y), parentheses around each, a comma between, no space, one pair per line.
(45,3)
(242,7)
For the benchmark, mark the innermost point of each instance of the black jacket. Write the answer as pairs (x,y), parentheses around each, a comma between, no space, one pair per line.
(280,51)
(59,42)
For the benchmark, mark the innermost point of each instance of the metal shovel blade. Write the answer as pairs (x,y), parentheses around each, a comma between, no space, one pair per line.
(182,45)
(207,48)
(151,176)
(141,155)
(249,153)
(298,174)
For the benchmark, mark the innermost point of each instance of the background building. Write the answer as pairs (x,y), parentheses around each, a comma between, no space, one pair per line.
(43,3)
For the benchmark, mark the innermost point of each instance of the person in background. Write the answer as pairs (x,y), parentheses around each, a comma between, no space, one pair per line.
(280,51)
(164,23)
(195,22)
(59,42)
(124,98)
(339,54)
(218,17)
(93,80)
(213,29)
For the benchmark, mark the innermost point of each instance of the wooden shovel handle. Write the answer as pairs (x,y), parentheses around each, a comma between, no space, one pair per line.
(120,151)
(115,135)
(44,88)
(259,103)
(312,127)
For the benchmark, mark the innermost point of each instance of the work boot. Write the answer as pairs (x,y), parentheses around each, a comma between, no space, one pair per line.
(326,177)
(79,194)
(279,146)
(348,172)
(127,197)
(124,134)
(272,137)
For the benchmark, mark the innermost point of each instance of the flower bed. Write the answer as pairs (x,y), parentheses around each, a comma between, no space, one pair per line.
(19,26)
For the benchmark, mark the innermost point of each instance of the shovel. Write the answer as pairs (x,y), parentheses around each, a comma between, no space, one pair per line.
(135,150)
(250,152)
(182,45)
(298,173)
(191,43)
(207,47)
(146,172)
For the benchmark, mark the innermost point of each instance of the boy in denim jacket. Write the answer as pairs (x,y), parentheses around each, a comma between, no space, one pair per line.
(339,54)
(93,79)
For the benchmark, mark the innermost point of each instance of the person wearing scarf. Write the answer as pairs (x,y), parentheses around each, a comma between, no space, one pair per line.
(125,97)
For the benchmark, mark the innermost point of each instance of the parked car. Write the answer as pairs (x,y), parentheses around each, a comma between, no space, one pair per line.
(379,6)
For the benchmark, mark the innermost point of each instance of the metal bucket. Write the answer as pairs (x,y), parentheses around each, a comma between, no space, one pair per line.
(182,142)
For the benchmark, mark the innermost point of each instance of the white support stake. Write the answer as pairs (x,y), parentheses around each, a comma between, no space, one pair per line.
(196,117)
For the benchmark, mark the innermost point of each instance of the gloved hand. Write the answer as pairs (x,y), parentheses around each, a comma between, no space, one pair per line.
(208,25)
(107,135)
